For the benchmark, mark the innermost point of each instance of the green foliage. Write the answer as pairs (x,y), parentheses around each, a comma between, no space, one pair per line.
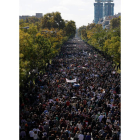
(32,30)
(115,23)
(108,41)
(37,48)
(33,20)
(90,26)
(70,28)
(53,20)
(84,35)
(80,29)
(23,23)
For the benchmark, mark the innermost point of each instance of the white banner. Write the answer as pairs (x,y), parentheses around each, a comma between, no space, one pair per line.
(70,81)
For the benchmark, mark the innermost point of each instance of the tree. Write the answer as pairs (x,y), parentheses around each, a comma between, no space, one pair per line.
(32,30)
(84,35)
(33,20)
(70,28)
(53,20)
(22,23)
(107,41)
(37,48)
(80,30)
(115,22)
(112,48)
(90,26)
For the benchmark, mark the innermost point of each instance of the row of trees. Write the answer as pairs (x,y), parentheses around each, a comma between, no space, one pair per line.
(107,41)
(41,42)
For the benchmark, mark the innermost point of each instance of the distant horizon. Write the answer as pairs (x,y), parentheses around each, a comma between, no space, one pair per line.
(56,11)
(80,11)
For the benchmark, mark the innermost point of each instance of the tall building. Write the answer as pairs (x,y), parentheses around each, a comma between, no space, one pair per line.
(98,11)
(108,9)
(103,8)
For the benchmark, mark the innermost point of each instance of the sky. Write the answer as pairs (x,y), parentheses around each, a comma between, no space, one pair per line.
(81,11)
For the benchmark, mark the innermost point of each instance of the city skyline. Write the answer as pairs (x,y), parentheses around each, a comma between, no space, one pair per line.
(81,11)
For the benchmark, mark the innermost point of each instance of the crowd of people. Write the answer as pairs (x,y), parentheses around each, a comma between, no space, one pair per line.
(78,97)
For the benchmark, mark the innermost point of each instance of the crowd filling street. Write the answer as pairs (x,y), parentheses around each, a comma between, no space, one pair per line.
(78,97)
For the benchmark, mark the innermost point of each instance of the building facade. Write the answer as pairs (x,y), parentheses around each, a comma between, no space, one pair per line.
(103,8)
(39,15)
(106,20)
(108,9)
(24,17)
(98,11)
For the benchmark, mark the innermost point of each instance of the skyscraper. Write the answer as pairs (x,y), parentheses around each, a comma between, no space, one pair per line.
(103,8)
(98,11)
(108,9)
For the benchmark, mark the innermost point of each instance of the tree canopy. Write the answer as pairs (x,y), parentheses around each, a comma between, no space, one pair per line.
(107,41)
(53,20)
(41,42)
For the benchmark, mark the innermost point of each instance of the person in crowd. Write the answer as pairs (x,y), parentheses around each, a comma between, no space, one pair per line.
(35,137)
(64,136)
(81,136)
(31,134)
(88,136)
(22,134)
(77,95)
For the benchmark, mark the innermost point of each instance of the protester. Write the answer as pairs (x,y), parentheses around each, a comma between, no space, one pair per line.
(81,136)
(77,97)
(35,137)
(31,134)
(22,135)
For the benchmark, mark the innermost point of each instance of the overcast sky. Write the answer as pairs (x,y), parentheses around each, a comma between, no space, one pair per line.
(81,11)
